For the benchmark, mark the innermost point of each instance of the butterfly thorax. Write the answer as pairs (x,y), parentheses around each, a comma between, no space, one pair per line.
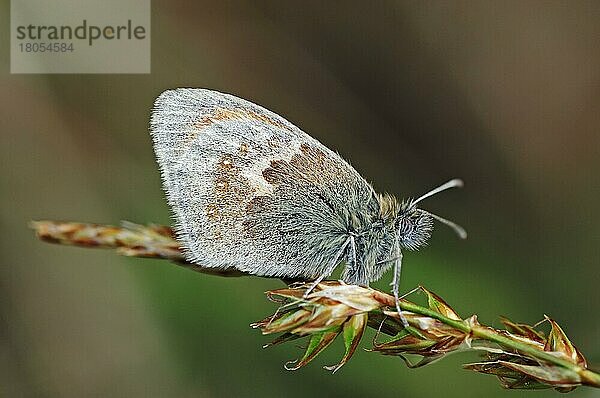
(389,207)
(373,238)
(396,225)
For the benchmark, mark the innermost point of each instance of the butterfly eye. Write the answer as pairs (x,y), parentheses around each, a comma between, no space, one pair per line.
(415,229)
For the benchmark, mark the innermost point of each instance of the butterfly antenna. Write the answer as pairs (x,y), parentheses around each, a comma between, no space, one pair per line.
(455,183)
(460,231)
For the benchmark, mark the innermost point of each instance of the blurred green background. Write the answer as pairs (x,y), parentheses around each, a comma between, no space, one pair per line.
(505,95)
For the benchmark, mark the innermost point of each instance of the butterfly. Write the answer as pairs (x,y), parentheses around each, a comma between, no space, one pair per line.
(251,191)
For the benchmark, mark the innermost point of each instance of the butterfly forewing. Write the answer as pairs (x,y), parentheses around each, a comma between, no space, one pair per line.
(250,190)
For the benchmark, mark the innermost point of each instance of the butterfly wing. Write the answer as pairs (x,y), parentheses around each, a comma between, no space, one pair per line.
(250,190)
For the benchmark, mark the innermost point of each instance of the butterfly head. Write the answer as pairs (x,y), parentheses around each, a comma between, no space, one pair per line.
(413,225)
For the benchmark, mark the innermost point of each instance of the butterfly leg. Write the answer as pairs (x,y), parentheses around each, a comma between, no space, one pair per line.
(353,251)
(396,284)
(354,274)
(329,269)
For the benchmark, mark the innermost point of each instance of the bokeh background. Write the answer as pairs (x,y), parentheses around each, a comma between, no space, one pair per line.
(505,95)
